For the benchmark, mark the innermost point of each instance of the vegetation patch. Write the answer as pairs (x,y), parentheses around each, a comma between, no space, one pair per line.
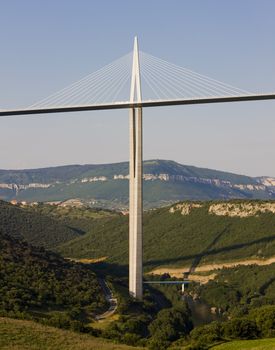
(38,284)
(28,335)
(174,240)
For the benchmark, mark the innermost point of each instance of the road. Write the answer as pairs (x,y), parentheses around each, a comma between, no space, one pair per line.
(110,298)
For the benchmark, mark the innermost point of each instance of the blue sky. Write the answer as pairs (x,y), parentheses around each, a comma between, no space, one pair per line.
(46,45)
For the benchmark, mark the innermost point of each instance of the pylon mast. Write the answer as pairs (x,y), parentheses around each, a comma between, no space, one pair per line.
(135,186)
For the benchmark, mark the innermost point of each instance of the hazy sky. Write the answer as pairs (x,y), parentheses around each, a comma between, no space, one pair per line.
(46,45)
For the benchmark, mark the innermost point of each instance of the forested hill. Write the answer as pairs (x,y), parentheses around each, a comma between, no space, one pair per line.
(34,227)
(106,185)
(47,225)
(36,281)
(177,235)
(186,234)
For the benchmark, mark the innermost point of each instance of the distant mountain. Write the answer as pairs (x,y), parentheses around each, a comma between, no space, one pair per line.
(106,185)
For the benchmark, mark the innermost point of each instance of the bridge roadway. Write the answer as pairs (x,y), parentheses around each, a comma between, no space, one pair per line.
(149,103)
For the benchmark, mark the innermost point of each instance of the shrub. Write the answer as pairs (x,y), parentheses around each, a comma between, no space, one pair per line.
(169,325)
(240,328)
(265,320)
(208,333)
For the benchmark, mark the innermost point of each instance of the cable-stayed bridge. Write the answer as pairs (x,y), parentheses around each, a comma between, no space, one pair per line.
(163,84)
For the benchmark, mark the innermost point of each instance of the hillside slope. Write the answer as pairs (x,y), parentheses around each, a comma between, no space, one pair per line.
(186,235)
(106,185)
(36,228)
(28,335)
(228,292)
(38,282)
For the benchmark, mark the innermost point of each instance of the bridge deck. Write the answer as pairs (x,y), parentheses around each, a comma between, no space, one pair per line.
(123,105)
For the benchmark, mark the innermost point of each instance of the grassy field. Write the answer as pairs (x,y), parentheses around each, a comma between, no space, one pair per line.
(27,335)
(261,344)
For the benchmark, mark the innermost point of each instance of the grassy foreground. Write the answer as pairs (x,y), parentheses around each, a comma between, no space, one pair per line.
(28,335)
(261,344)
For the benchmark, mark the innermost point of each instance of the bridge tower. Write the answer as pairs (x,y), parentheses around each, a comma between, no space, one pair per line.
(135,183)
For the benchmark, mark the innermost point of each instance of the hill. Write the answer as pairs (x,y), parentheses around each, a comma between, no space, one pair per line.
(47,225)
(36,228)
(28,335)
(106,185)
(186,235)
(40,284)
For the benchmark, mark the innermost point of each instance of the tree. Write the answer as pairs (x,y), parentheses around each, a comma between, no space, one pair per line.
(265,320)
(240,328)
(169,325)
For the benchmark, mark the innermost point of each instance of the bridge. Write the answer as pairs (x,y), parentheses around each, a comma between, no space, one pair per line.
(123,105)
(163,84)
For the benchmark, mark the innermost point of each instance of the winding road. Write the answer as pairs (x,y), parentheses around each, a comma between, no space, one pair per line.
(110,298)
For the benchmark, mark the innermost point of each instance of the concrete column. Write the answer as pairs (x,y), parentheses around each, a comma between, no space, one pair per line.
(135,186)
(131,196)
(135,205)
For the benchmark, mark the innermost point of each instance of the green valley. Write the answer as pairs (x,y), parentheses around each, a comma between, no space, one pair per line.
(217,244)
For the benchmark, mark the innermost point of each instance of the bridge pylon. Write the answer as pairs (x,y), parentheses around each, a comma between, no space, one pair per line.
(135,183)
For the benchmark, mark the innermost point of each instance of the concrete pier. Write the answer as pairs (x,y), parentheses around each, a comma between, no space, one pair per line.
(135,186)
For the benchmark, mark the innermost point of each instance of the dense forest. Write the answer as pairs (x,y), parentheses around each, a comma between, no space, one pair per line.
(48,225)
(36,228)
(35,283)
